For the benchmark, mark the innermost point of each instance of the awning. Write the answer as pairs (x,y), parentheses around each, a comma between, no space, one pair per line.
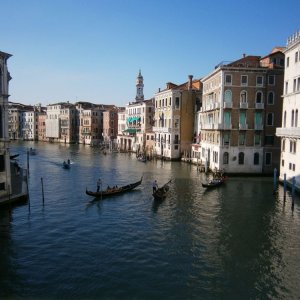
(131,130)
(132,119)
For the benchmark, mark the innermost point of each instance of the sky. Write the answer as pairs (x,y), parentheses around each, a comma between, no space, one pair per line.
(92,50)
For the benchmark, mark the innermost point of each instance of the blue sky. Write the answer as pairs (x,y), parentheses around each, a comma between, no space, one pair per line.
(88,50)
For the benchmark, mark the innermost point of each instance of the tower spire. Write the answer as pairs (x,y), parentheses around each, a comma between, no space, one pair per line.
(139,87)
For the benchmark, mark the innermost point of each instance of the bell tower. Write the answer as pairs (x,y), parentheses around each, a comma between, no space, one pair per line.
(139,88)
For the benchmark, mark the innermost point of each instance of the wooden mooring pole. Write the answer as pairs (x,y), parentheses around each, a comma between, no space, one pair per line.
(42,190)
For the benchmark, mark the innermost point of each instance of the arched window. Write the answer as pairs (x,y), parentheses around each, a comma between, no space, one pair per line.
(256,158)
(259,97)
(243,96)
(296,118)
(225,158)
(241,158)
(292,120)
(228,96)
(284,119)
(271,98)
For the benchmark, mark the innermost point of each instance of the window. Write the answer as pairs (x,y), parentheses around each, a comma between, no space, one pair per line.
(268,160)
(256,158)
(241,158)
(284,119)
(244,80)
(242,138)
(259,97)
(269,140)
(292,120)
(243,97)
(177,102)
(225,158)
(271,98)
(2,186)
(271,79)
(226,139)
(259,81)
(228,79)
(270,118)
(243,119)
(294,85)
(282,163)
(286,87)
(2,163)
(283,145)
(257,139)
(294,167)
(287,62)
(228,96)
(227,119)
(296,56)
(296,118)
(298,84)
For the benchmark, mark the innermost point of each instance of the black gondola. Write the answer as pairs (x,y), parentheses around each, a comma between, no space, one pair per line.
(214,183)
(114,191)
(161,193)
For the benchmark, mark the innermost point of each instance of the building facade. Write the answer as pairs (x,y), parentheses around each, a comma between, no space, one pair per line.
(241,108)
(174,119)
(5,170)
(289,132)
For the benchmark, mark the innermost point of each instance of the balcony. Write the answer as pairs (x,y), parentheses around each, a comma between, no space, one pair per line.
(259,105)
(162,129)
(243,105)
(293,132)
(258,127)
(227,126)
(243,126)
(227,104)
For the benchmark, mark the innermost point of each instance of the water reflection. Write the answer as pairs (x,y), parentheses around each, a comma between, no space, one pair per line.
(236,241)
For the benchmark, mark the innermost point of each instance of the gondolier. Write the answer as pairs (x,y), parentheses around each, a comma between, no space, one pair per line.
(154,186)
(99,182)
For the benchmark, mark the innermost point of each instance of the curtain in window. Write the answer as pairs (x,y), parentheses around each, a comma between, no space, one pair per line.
(258,118)
(228,96)
(227,117)
(242,117)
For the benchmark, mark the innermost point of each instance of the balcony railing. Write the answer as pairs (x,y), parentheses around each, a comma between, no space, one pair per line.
(289,132)
(244,105)
(162,129)
(259,105)
(227,104)
(243,126)
(258,127)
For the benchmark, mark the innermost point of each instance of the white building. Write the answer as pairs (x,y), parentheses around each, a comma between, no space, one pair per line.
(60,122)
(290,130)
(5,171)
(29,125)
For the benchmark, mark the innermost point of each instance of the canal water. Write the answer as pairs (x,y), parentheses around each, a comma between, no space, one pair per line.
(238,241)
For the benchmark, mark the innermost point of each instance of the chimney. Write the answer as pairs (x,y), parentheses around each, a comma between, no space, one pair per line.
(190,83)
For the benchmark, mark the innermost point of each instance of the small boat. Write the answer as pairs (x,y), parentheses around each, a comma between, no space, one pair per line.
(161,193)
(66,165)
(114,191)
(32,151)
(142,158)
(214,182)
(14,156)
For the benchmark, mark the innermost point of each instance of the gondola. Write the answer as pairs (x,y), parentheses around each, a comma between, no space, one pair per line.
(66,165)
(214,183)
(114,191)
(161,193)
